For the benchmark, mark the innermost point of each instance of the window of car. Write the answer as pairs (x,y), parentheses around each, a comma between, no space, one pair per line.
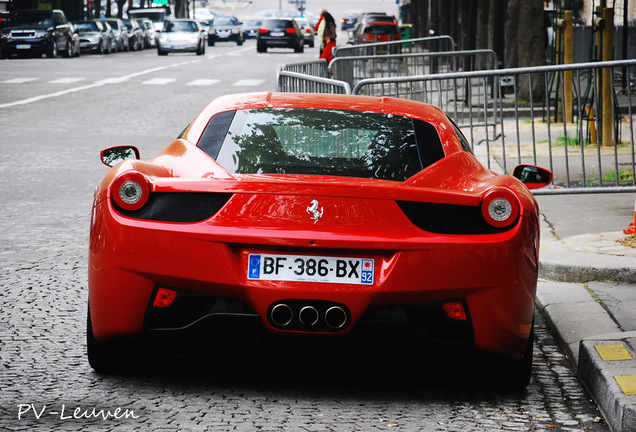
(381,29)
(180,26)
(86,27)
(32,17)
(462,139)
(322,142)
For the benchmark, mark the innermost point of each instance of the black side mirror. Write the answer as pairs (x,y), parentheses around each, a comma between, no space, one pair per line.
(113,155)
(533,177)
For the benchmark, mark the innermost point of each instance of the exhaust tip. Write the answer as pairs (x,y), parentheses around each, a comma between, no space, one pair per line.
(308,316)
(336,317)
(281,315)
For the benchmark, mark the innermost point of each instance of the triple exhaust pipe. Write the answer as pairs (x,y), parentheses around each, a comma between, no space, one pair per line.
(308,316)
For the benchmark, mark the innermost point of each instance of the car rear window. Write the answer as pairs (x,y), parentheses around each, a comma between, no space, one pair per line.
(381,29)
(277,24)
(321,142)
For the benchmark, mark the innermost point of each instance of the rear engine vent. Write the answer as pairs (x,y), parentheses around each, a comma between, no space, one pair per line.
(448,218)
(178,207)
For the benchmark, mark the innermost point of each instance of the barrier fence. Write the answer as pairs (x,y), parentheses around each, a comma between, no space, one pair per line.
(513,116)
(416,45)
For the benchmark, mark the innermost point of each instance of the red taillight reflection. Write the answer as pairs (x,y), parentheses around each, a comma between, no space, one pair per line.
(291,30)
(455,311)
(263,30)
(164,297)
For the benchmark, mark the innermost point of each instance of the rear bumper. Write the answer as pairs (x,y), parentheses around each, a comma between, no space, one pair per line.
(494,275)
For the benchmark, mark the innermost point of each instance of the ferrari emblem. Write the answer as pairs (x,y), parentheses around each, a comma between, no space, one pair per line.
(313,210)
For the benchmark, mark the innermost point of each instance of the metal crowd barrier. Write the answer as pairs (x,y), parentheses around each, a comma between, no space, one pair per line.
(356,68)
(416,45)
(302,83)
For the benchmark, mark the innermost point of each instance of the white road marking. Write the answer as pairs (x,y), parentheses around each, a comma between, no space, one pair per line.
(69,80)
(18,80)
(203,82)
(248,82)
(159,81)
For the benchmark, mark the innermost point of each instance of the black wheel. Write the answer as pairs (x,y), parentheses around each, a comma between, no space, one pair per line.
(68,50)
(239,41)
(100,48)
(210,42)
(162,52)
(52,53)
(261,48)
(102,356)
(300,48)
(515,374)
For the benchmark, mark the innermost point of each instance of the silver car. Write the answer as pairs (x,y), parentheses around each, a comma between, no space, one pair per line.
(181,35)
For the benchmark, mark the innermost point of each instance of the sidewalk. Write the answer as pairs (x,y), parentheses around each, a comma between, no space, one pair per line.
(587,293)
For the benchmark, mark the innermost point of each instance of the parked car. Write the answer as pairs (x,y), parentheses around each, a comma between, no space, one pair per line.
(155,14)
(250,28)
(94,36)
(148,31)
(349,20)
(307,31)
(135,35)
(119,30)
(279,32)
(322,217)
(181,35)
(37,32)
(225,29)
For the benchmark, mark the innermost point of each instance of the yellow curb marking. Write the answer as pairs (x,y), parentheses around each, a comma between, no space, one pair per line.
(627,383)
(613,352)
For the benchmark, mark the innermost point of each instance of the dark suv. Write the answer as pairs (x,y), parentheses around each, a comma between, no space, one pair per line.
(39,32)
(279,32)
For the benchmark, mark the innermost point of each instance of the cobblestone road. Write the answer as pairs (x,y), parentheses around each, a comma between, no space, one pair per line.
(49,168)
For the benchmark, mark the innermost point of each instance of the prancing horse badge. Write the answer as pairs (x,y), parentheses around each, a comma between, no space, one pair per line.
(313,209)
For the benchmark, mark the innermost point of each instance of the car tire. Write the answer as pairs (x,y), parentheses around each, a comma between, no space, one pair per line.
(52,52)
(239,41)
(104,357)
(162,52)
(68,50)
(515,374)
(261,48)
(210,42)
(300,48)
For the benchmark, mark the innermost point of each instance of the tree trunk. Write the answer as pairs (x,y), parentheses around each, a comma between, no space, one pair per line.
(525,43)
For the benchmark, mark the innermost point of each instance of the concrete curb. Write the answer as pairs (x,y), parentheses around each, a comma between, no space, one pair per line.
(600,377)
(581,322)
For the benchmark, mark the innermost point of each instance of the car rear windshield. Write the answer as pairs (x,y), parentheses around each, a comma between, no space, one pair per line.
(86,27)
(277,24)
(381,29)
(321,142)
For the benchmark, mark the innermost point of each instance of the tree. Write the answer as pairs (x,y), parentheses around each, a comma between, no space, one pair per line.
(525,42)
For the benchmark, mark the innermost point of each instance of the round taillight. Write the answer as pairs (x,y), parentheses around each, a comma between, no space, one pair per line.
(130,191)
(500,207)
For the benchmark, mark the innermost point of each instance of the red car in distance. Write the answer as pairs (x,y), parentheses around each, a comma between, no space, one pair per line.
(316,216)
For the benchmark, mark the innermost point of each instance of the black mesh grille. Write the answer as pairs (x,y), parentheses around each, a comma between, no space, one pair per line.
(448,218)
(178,207)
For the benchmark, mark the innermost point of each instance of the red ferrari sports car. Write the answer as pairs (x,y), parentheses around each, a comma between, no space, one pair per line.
(317,216)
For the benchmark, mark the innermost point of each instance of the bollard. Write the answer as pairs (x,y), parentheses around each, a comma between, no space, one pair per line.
(568,58)
(607,139)
(631,229)
(592,123)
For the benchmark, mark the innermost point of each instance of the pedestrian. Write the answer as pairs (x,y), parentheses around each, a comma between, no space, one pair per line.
(327,52)
(325,28)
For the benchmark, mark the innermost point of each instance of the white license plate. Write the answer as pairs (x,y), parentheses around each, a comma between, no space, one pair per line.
(302,268)
(277,34)
(23,46)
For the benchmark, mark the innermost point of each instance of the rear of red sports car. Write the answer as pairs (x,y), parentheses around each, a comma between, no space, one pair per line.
(315,215)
